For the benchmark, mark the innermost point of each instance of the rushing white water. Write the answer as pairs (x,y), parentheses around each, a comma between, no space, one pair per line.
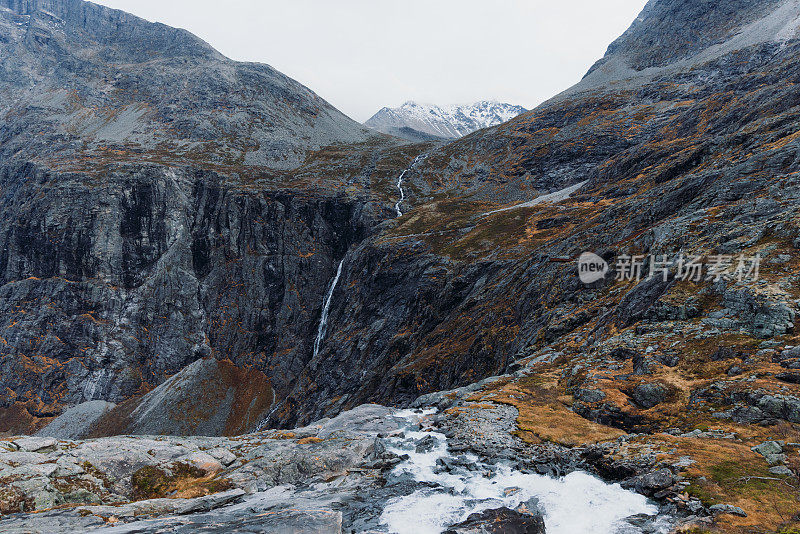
(400,184)
(576,503)
(326,306)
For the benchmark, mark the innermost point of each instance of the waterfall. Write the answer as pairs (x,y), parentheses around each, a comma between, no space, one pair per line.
(453,486)
(326,306)
(400,184)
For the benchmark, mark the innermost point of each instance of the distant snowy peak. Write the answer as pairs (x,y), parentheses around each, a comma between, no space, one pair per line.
(423,121)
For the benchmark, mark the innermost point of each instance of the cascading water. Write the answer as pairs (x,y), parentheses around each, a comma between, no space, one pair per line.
(400,184)
(326,306)
(576,503)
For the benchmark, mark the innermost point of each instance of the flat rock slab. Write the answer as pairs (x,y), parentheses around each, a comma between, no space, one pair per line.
(34,444)
(278,522)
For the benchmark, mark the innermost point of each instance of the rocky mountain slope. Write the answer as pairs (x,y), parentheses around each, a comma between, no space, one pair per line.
(118,274)
(83,81)
(168,205)
(422,122)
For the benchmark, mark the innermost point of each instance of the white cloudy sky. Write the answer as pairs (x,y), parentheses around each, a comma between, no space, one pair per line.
(362,55)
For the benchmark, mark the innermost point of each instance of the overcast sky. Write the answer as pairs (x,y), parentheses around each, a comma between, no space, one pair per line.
(362,55)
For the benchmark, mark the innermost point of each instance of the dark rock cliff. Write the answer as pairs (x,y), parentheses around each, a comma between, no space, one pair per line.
(111,287)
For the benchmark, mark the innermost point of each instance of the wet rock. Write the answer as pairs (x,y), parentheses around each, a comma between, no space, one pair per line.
(426,444)
(644,523)
(651,483)
(500,521)
(531,507)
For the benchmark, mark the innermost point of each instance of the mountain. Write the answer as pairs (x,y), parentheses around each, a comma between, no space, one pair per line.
(81,80)
(421,122)
(129,280)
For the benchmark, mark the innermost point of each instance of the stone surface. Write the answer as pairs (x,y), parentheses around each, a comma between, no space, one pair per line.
(77,422)
(649,395)
(34,444)
(768,447)
(154,251)
(651,483)
(500,521)
(727,509)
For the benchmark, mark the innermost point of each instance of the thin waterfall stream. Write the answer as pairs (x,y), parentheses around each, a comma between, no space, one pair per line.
(326,306)
(400,184)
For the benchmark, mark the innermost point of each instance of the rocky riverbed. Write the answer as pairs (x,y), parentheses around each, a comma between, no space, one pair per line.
(450,465)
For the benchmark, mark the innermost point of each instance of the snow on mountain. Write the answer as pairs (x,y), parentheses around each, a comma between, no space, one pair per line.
(420,121)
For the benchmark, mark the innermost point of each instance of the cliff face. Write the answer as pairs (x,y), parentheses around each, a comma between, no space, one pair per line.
(110,287)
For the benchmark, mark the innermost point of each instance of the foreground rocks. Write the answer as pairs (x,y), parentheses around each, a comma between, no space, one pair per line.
(117,480)
(500,521)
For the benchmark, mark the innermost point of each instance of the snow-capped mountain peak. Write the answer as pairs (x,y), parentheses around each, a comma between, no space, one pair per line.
(419,121)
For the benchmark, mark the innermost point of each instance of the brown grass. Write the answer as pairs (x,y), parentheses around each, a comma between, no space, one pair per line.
(543,415)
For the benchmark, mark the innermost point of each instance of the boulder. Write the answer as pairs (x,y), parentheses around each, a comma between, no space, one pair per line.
(224,456)
(426,444)
(781,470)
(768,447)
(500,521)
(649,395)
(589,395)
(651,483)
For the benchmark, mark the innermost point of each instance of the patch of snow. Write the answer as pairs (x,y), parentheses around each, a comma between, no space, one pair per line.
(558,196)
